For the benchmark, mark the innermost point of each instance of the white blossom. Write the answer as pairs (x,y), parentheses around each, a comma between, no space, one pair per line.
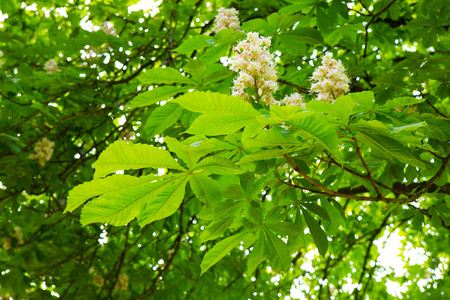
(226,19)
(331,80)
(108,28)
(294,99)
(256,68)
(44,151)
(51,66)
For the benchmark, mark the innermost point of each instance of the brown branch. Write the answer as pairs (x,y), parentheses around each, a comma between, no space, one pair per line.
(435,109)
(299,88)
(369,173)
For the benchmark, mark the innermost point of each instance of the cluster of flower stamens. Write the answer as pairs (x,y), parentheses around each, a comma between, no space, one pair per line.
(226,19)
(44,151)
(331,80)
(256,68)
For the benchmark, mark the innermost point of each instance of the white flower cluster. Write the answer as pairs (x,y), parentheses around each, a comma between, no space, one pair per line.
(1,63)
(256,68)
(294,99)
(225,19)
(108,28)
(332,82)
(44,151)
(51,66)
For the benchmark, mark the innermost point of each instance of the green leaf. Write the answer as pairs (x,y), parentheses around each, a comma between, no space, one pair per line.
(390,148)
(294,41)
(304,35)
(121,206)
(258,25)
(233,192)
(318,210)
(363,100)
(280,22)
(220,124)
(216,229)
(257,255)
(401,101)
(215,103)
(196,68)
(264,155)
(121,155)
(319,236)
(157,94)
(323,22)
(165,204)
(190,154)
(217,165)
(197,42)
(162,118)
(341,108)
(284,228)
(164,75)
(282,114)
(410,127)
(319,129)
(206,188)
(335,215)
(223,210)
(277,251)
(221,249)
(79,194)
(213,54)
(273,137)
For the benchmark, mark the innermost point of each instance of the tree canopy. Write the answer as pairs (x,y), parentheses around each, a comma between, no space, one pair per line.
(224,149)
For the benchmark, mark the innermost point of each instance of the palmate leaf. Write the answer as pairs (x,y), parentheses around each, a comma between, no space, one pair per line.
(215,103)
(266,154)
(157,94)
(220,124)
(296,39)
(123,205)
(206,188)
(190,153)
(284,228)
(272,138)
(223,210)
(341,108)
(165,204)
(162,118)
(335,215)
(319,129)
(197,42)
(277,251)
(121,155)
(217,165)
(164,75)
(401,101)
(79,194)
(216,229)
(319,236)
(280,114)
(257,255)
(221,249)
(390,148)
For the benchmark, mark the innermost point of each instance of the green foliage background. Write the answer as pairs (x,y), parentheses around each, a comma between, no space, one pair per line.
(224,208)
